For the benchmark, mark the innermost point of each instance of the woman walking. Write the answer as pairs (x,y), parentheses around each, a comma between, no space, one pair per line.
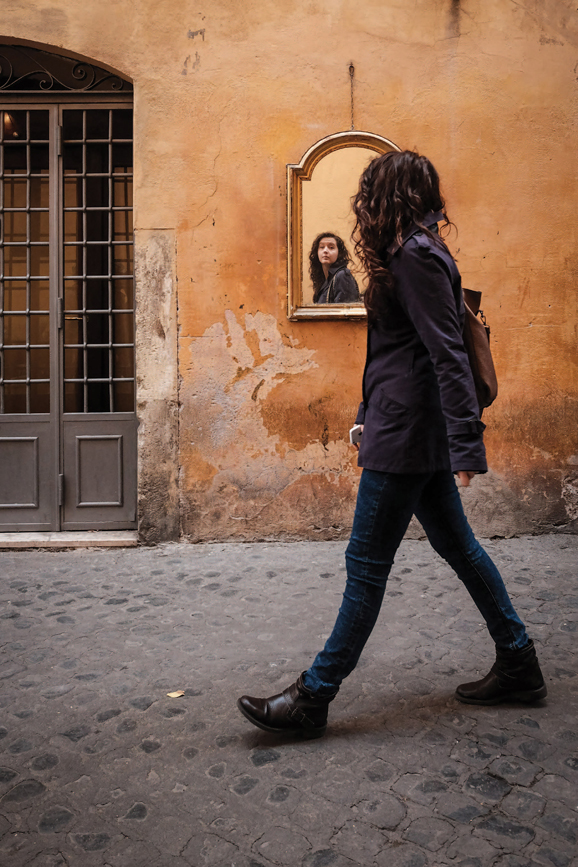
(421,427)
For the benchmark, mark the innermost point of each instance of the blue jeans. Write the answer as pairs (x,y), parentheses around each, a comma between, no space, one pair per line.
(385,505)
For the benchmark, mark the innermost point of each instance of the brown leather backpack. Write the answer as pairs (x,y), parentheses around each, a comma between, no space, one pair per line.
(477,343)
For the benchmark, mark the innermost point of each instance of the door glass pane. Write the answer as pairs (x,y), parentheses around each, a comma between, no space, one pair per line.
(14,398)
(99,254)
(25,222)
(73,295)
(73,397)
(72,191)
(97,363)
(39,295)
(73,329)
(14,330)
(40,397)
(14,295)
(73,363)
(98,192)
(14,364)
(124,396)
(39,125)
(97,123)
(122,123)
(39,329)
(97,294)
(39,225)
(15,260)
(15,190)
(98,397)
(73,261)
(40,363)
(123,327)
(97,226)
(123,362)
(72,125)
(123,294)
(39,261)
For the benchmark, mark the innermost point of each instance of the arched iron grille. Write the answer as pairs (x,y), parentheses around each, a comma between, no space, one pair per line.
(32,70)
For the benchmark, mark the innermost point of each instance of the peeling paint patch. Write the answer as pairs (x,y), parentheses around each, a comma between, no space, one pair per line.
(257,481)
(570,495)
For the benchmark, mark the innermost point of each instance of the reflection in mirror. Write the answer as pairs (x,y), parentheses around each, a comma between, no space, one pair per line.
(320,189)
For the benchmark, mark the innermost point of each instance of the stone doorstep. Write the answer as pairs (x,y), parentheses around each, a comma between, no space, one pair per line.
(70,539)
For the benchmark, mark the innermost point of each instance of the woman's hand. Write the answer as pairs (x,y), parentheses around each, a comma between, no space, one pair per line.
(465,477)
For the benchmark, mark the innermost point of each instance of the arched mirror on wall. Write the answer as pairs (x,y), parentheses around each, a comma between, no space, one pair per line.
(319,192)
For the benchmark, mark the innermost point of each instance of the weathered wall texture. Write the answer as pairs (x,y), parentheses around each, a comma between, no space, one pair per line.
(226,94)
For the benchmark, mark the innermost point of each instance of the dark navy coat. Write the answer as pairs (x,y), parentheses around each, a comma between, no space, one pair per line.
(340,287)
(420,412)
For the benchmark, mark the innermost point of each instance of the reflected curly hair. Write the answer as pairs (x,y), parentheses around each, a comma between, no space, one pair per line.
(396,190)
(315,266)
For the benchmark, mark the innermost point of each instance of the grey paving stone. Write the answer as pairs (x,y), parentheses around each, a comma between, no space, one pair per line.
(99,766)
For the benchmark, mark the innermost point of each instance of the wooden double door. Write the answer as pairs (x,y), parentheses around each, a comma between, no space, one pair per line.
(67,373)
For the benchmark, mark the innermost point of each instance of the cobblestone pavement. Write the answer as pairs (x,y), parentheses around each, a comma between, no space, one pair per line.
(98,766)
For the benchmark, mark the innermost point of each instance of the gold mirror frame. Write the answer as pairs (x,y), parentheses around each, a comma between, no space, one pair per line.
(297,175)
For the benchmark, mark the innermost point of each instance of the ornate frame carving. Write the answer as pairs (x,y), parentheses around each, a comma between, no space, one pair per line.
(297,174)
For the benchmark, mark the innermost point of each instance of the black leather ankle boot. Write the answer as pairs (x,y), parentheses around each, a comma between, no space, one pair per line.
(294,711)
(515,676)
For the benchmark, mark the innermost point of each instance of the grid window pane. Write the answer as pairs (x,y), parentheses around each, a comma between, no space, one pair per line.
(124,396)
(73,332)
(39,261)
(123,294)
(39,125)
(73,397)
(123,328)
(73,368)
(97,363)
(39,295)
(72,191)
(14,398)
(40,397)
(72,295)
(73,261)
(123,362)
(40,363)
(98,397)
(39,158)
(97,328)
(39,329)
(15,191)
(97,123)
(97,226)
(15,262)
(39,225)
(97,294)
(15,295)
(14,364)
(122,123)
(14,330)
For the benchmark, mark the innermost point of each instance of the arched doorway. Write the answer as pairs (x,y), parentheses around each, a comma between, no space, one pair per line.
(67,378)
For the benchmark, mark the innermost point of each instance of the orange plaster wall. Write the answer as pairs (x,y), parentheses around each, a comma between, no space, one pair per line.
(225,97)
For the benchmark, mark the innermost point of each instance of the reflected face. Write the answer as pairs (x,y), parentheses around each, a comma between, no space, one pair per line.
(327,251)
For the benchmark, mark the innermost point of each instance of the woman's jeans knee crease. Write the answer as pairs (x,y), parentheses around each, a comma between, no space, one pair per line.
(385,505)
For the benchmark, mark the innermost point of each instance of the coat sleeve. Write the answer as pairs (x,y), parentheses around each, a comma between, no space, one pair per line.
(424,290)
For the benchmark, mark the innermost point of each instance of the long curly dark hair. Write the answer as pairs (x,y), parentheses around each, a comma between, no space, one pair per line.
(316,268)
(396,190)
